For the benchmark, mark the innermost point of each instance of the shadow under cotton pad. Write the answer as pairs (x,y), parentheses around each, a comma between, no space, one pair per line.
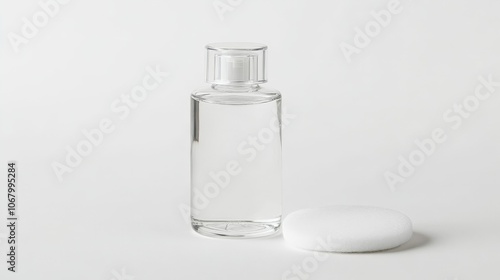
(347,229)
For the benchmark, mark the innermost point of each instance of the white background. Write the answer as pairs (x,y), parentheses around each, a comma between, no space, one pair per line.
(117,215)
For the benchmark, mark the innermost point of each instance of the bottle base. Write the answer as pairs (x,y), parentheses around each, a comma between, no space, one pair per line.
(236,229)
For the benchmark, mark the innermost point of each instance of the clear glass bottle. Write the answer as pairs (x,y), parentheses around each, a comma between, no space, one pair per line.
(236,146)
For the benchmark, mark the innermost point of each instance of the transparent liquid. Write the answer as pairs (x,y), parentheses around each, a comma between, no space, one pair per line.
(236,164)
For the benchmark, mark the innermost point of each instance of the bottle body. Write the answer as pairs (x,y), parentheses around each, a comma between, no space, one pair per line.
(236,161)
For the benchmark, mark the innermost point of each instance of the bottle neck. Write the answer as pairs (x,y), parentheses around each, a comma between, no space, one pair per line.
(236,87)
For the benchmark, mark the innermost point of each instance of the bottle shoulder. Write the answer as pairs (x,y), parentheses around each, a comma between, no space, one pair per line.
(236,96)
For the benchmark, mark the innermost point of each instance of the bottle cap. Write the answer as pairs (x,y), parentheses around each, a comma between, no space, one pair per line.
(236,63)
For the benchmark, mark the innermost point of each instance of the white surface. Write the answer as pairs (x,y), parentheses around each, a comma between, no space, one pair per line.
(346,228)
(120,207)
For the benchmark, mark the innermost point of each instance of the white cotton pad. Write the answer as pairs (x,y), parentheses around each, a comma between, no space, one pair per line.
(347,229)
